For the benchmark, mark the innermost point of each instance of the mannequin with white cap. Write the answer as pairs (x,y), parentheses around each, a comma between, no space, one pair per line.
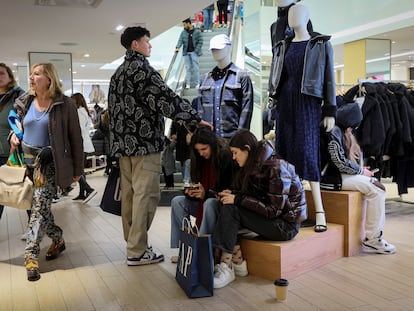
(226,92)
(302,85)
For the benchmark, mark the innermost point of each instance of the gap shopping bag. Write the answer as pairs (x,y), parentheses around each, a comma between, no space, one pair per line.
(195,267)
(111,199)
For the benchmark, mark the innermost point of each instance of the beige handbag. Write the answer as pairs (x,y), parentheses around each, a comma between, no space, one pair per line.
(16,189)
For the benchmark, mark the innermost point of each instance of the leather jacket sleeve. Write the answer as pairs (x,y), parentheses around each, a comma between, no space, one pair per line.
(285,196)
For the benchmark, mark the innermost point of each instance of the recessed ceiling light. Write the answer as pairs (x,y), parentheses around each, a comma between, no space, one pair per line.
(68,43)
(83,65)
(86,55)
(119,27)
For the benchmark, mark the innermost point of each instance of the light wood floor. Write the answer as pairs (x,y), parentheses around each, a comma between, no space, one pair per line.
(92,274)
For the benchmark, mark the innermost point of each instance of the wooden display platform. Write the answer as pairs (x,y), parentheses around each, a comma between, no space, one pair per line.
(345,208)
(308,250)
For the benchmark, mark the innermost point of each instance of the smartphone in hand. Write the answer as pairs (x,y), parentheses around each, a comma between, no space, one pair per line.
(212,193)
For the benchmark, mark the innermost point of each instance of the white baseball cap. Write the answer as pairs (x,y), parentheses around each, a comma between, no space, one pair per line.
(219,42)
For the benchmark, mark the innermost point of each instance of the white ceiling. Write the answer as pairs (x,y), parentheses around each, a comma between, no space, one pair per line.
(25,27)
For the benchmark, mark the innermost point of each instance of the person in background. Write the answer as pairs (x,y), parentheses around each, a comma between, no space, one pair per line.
(222,6)
(342,153)
(212,169)
(86,192)
(179,133)
(139,100)
(199,20)
(9,91)
(268,199)
(168,162)
(97,112)
(103,127)
(192,42)
(96,96)
(53,150)
(208,13)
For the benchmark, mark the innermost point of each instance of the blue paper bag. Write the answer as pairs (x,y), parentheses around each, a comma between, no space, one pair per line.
(195,267)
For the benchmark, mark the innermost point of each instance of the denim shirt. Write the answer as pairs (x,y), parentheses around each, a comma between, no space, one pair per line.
(234,98)
(318,71)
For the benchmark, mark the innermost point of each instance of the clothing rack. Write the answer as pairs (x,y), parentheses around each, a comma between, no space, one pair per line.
(360,86)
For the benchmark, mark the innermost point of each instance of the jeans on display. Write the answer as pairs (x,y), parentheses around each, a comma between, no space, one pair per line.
(232,218)
(185,170)
(182,206)
(374,200)
(191,66)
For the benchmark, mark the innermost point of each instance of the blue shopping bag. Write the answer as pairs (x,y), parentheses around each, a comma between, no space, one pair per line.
(195,267)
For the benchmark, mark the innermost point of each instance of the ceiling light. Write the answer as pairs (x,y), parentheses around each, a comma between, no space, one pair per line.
(68,43)
(83,65)
(119,27)
(86,55)
(69,3)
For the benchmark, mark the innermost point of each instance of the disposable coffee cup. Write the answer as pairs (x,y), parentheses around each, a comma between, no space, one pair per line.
(281,288)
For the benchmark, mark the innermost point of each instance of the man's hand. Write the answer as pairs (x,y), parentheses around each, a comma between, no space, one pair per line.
(206,124)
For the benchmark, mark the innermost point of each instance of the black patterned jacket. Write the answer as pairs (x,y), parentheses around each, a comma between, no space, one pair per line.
(138,101)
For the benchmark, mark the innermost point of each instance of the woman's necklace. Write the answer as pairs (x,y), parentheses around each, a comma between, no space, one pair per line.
(42,114)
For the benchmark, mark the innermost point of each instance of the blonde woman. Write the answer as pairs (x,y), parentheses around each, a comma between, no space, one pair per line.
(53,149)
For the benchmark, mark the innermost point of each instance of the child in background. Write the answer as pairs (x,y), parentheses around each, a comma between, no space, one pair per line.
(168,162)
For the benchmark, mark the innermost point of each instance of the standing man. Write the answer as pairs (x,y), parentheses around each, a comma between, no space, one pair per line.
(192,42)
(138,101)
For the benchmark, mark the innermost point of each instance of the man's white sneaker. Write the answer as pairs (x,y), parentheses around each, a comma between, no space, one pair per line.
(223,276)
(241,269)
(149,257)
(378,246)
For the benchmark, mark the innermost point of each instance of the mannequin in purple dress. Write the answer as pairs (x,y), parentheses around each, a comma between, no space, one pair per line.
(304,92)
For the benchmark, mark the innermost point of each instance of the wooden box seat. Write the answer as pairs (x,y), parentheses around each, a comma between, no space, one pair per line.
(308,250)
(345,208)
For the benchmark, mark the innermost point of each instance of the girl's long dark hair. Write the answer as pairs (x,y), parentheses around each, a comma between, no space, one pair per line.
(245,140)
(219,152)
(81,102)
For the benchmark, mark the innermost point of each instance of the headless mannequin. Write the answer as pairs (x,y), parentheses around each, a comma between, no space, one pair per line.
(298,18)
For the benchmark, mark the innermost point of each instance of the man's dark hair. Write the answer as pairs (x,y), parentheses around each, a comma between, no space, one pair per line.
(187,20)
(133,33)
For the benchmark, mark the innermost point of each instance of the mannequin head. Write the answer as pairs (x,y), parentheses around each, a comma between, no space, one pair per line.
(298,17)
(220,47)
(283,3)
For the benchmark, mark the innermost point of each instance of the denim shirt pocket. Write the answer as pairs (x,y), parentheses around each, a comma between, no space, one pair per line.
(206,94)
(232,95)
